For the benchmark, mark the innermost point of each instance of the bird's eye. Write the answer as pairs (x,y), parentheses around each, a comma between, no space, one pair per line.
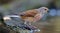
(45,9)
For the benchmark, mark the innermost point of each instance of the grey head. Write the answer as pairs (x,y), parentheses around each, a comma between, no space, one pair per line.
(43,10)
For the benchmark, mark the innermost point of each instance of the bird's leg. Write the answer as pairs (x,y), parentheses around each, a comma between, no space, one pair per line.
(25,22)
(29,23)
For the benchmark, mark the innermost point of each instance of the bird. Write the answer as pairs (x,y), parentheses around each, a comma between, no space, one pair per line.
(33,15)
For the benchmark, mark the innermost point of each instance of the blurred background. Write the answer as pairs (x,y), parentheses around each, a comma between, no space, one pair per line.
(50,23)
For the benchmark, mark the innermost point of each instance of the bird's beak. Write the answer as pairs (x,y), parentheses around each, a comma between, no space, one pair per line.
(48,11)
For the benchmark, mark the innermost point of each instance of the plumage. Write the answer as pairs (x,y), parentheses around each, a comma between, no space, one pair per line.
(34,14)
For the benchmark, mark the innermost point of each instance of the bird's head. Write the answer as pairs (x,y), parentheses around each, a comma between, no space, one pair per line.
(43,10)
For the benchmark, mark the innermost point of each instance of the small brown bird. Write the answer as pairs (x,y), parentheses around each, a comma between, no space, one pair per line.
(33,15)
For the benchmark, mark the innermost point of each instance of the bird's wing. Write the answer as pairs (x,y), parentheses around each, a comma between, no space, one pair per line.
(30,13)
